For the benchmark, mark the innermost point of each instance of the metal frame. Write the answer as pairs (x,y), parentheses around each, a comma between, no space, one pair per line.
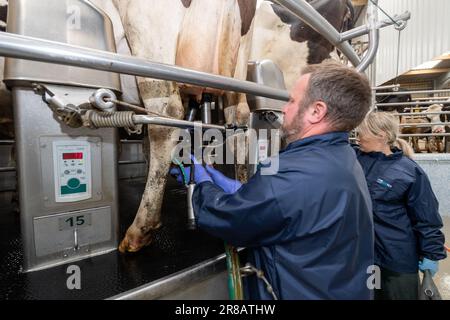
(362,30)
(410,103)
(403,93)
(170,284)
(392,86)
(29,48)
(425,135)
(419,114)
(423,125)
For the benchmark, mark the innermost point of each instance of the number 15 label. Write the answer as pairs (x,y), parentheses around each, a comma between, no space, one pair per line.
(74,222)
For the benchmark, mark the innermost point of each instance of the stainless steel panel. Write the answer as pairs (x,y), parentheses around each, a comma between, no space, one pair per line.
(437,167)
(35,122)
(50,239)
(207,280)
(75,22)
(265,73)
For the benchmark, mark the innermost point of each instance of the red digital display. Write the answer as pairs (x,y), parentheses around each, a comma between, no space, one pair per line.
(73,156)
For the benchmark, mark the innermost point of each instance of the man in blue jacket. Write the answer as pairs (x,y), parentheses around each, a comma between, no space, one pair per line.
(308,227)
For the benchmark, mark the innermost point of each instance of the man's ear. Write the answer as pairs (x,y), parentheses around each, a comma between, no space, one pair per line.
(318,111)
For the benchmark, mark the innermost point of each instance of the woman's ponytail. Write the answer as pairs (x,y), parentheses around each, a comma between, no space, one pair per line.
(405,147)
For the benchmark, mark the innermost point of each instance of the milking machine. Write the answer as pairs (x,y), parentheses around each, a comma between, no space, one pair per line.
(67,173)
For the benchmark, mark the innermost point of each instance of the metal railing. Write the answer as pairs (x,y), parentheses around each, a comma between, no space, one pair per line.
(410,103)
(362,30)
(11,142)
(420,111)
(403,93)
(424,135)
(424,125)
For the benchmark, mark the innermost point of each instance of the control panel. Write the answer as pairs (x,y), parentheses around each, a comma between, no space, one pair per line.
(72,171)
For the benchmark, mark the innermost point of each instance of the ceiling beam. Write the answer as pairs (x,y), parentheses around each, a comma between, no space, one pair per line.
(444,57)
(426,71)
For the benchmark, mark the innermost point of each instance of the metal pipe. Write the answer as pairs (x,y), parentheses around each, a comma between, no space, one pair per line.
(206,110)
(425,135)
(374,37)
(182,124)
(10,142)
(415,108)
(311,17)
(410,103)
(424,125)
(6,142)
(432,98)
(419,114)
(404,93)
(392,86)
(362,30)
(29,48)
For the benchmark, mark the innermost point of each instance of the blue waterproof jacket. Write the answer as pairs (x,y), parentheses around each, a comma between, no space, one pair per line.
(406,212)
(309,227)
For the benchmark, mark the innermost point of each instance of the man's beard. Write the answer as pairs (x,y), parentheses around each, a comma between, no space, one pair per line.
(290,132)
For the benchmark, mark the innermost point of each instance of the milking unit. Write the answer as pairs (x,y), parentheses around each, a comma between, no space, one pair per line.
(67,176)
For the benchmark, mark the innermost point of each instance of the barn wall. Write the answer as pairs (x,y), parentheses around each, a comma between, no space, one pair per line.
(425,37)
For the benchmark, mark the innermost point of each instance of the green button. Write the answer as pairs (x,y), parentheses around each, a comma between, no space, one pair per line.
(73,183)
(65,190)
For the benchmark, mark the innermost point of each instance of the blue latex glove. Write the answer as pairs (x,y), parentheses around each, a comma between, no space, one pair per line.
(228,185)
(200,174)
(427,264)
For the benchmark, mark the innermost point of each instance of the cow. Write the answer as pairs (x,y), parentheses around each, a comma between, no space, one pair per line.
(446,118)
(433,144)
(286,40)
(393,98)
(216,37)
(202,35)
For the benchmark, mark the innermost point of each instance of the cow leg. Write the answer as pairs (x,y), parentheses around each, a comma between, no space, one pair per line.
(148,217)
(416,145)
(238,113)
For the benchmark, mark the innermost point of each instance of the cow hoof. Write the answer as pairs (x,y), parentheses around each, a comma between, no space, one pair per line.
(132,244)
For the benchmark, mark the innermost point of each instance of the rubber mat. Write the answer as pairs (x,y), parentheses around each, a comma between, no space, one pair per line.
(174,248)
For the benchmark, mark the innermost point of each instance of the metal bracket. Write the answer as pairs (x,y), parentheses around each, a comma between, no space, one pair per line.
(67,113)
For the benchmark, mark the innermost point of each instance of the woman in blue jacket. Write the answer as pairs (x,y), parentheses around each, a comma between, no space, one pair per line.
(405,210)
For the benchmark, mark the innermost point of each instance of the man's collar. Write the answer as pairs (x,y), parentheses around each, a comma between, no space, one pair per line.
(327,138)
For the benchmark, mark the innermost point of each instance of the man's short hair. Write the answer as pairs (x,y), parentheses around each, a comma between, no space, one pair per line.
(346,92)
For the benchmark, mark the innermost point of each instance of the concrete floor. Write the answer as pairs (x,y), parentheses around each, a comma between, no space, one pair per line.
(442,278)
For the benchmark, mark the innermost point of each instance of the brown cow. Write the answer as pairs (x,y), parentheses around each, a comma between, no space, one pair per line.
(433,144)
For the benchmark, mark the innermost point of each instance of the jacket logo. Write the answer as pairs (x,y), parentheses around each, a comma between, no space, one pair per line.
(384,183)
